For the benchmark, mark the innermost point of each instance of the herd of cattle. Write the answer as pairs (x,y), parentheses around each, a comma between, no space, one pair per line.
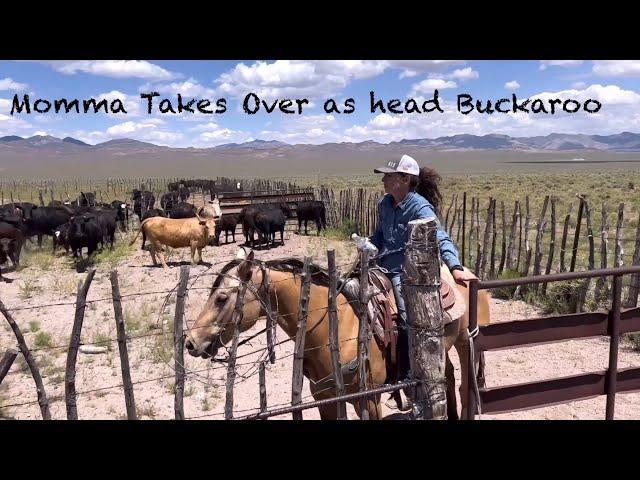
(85,223)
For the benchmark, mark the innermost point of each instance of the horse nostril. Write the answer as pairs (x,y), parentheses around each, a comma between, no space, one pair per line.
(189,345)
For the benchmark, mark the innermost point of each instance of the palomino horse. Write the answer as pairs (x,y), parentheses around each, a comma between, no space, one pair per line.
(214,326)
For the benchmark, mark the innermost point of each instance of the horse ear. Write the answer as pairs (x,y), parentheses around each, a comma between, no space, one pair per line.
(242,254)
(245,269)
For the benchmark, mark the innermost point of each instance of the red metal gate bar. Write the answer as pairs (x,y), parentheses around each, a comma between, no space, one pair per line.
(524,396)
(557,277)
(613,347)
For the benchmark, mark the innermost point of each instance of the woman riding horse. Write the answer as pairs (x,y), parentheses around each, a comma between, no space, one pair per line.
(214,326)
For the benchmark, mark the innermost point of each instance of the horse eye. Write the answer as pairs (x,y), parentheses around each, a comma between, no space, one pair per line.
(221,300)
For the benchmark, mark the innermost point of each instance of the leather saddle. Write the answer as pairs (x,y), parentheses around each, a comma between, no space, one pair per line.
(382,312)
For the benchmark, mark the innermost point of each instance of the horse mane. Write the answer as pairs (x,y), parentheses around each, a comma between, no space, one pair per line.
(319,275)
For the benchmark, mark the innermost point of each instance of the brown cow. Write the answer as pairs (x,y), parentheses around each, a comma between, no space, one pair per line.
(177,233)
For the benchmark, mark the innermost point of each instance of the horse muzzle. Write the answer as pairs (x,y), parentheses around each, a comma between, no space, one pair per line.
(206,350)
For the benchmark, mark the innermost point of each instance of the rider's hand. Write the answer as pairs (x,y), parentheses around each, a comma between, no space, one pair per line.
(461,277)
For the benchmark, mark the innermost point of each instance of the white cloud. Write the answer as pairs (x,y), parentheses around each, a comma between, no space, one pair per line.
(314,129)
(411,68)
(214,135)
(512,85)
(294,79)
(113,68)
(132,104)
(188,88)
(617,68)
(322,78)
(608,95)
(578,85)
(619,113)
(430,84)
(9,84)
(544,64)
(464,74)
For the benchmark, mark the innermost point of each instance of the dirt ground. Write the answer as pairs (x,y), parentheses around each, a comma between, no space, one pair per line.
(149,308)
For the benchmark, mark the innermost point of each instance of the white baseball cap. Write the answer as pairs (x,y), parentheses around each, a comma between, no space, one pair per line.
(405,165)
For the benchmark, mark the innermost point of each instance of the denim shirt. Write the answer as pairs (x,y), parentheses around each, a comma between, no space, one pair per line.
(393,231)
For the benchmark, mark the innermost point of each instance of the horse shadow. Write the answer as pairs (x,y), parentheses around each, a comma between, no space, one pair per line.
(180,263)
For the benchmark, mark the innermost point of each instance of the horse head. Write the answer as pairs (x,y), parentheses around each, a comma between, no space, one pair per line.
(214,325)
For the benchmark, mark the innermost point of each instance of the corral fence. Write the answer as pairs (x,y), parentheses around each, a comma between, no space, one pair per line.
(426,342)
(516,333)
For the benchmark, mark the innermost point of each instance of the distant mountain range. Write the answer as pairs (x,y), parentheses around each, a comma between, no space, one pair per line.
(50,157)
(558,142)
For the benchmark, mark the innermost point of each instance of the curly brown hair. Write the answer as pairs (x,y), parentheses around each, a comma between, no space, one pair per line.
(427,185)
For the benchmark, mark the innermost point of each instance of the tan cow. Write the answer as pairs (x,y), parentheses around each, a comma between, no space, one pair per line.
(211,210)
(177,233)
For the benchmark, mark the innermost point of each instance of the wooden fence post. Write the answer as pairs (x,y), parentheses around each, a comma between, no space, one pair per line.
(494,235)
(6,362)
(471,233)
(334,340)
(539,234)
(512,238)
(464,225)
(271,321)
(421,287)
(446,220)
(298,355)
(601,282)
(576,237)
(563,245)
(363,334)
(527,247)
(478,245)
(632,295)
(129,398)
(74,343)
(552,242)
(584,287)
(231,366)
(619,251)
(263,388)
(482,258)
(503,253)
(178,342)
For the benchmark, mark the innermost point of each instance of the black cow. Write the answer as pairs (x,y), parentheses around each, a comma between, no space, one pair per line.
(11,241)
(86,199)
(248,219)
(44,221)
(169,200)
(16,220)
(84,231)
(183,210)
(122,213)
(226,224)
(106,220)
(61,237)
(142,201)
(268,222)
(184,194)
(154,212)
(311,210)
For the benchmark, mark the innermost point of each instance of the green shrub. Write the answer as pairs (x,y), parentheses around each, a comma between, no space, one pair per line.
(43,339)
(561,297)
(343,231)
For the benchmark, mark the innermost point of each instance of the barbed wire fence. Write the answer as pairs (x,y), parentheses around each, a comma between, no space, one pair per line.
(254,366)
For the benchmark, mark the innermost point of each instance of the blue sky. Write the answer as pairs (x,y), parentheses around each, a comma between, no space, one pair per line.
(613,83)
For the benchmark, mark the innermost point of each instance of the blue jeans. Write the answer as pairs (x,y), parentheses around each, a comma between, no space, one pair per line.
(404,363)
